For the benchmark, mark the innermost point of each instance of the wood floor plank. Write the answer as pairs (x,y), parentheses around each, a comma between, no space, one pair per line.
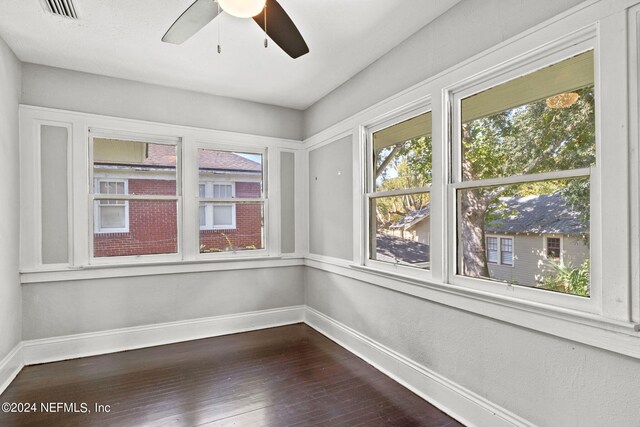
(286,376)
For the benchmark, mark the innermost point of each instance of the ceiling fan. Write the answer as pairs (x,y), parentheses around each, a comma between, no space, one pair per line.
(268,14)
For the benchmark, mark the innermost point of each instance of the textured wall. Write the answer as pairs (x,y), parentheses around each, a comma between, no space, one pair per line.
(465,30)
(90,93)
(63,308)
(546,380)
(331,200)
(10,305)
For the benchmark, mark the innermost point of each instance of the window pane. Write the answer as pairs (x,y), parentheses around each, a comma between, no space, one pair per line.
(112,217)
(506,251)
(225,173)
(402,155)
(151,229)
(521,214)
(231,227)
(541,122)
(400,230)
(203,218)
(147,168)
(492,250)
(223,216)
(553,247)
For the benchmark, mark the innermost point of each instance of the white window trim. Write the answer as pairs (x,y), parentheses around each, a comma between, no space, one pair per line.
(500,238)
(532,62)
(269,177)
(209,207)
(98,206)
(411,111)
(114,133)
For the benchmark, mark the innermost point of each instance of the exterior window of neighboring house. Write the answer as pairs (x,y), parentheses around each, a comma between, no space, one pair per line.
(217,216)
(506,251)
(503,255)
(231,201)
(553,247)
(135,197)
(111,216)
(523,155)
(399,194)
(492,250)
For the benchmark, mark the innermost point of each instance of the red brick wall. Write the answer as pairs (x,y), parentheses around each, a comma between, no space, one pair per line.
(152,224)
(248,231)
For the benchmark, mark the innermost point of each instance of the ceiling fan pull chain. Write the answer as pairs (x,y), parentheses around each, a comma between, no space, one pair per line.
(219,25)
(266,41)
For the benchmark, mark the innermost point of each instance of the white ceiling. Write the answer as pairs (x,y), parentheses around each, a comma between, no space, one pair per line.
(121,38)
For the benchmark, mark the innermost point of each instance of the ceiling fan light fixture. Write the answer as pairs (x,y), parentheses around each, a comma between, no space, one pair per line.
(562,100)
(242,8)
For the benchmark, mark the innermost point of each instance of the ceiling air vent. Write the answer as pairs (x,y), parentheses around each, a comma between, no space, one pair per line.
(64,8)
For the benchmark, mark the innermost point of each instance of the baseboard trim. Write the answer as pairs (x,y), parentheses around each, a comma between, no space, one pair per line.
(115,340)
(10,367)
(460,403)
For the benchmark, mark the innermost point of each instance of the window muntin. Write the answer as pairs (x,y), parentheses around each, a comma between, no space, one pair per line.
(135,198)
(231,201)
(399,201)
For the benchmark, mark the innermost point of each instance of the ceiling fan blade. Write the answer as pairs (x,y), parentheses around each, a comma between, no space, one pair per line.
(199,14)
(282,30)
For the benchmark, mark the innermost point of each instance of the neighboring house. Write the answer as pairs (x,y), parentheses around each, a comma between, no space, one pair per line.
(532,231)
(414,226)
(132,227)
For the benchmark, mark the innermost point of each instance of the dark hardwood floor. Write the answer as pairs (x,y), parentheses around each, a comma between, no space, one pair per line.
(285,376)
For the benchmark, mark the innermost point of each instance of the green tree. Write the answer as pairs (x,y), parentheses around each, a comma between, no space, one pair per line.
(532,138)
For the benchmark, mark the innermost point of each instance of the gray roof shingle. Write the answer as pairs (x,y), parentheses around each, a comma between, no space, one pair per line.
(543,214)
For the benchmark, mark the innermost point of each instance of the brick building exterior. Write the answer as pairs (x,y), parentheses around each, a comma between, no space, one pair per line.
(151,224)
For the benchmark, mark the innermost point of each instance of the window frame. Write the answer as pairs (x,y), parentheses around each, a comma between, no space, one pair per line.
(511,70)
(560,247)
(209,208)
(93,133)
(96,212)
(370,193)
(499,251)
(265,176)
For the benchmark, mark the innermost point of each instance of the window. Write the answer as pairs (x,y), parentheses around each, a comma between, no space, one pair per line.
(399,199)
(492,250)
(503,256)
(231,201)
(522,165)
(111,216)
(553,247)
(506,251)
(217,216)
(135,197)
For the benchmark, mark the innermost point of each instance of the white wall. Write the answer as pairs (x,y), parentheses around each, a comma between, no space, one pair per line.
(10,299)
(467,29)
(330,200)
(546,380)
(90,93)
(63,308)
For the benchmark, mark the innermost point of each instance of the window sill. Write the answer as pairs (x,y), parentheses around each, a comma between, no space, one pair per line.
(591,329)
(65,273)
